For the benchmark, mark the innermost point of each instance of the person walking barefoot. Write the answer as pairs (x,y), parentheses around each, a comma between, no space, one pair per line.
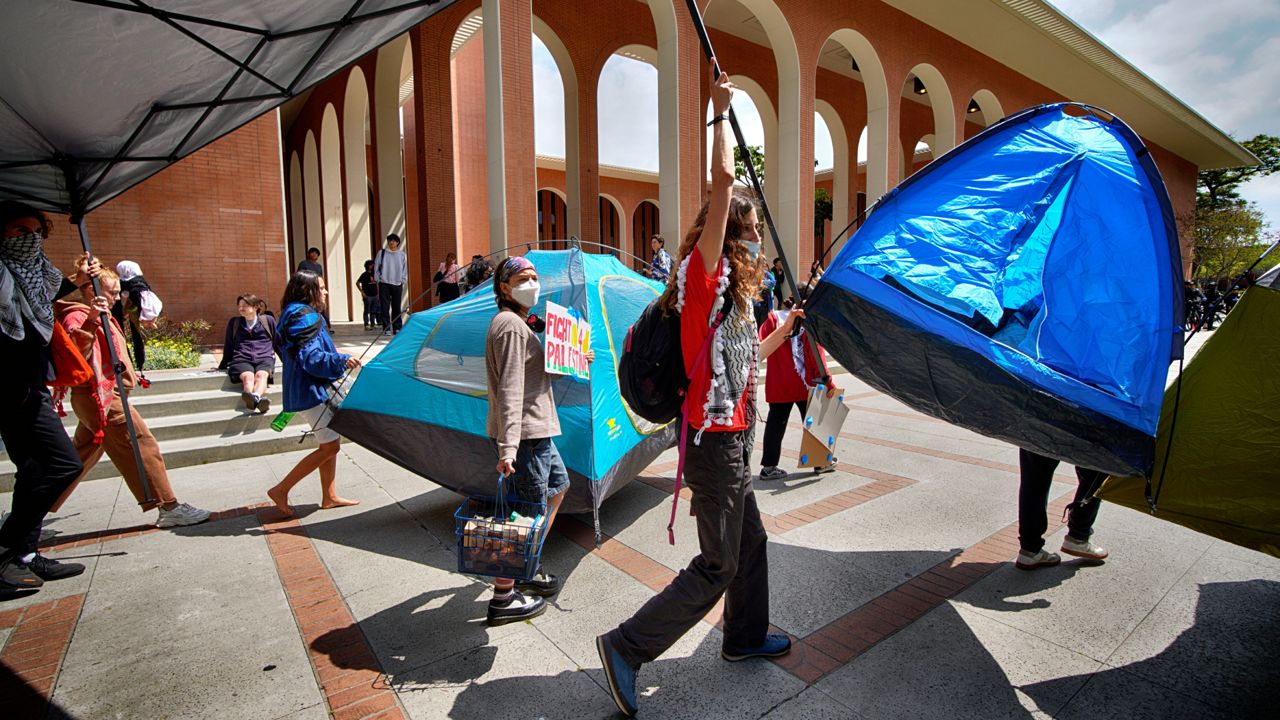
(311,364)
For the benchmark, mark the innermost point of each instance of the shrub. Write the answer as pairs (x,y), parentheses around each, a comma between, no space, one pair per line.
(175,345)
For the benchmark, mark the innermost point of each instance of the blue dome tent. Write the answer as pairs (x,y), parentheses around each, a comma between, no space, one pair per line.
(1026,285)
(421,403)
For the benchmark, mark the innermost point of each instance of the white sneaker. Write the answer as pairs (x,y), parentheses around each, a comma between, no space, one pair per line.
(1029,561)
(1084,549)
(181,514)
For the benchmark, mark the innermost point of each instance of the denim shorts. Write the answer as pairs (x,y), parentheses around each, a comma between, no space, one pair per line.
(540,473)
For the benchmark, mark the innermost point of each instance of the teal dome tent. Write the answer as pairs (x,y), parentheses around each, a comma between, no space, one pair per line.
(422,402)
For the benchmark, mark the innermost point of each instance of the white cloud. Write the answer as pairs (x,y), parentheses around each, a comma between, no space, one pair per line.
(548,103)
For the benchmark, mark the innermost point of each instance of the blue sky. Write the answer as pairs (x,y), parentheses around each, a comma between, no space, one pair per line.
(1221,57)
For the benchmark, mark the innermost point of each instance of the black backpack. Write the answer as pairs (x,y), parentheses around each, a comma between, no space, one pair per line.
(651,371)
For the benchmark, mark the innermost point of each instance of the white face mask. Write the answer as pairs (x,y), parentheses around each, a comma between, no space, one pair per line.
(526,293)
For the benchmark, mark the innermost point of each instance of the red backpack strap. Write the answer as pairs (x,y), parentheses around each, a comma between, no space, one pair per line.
(703,354)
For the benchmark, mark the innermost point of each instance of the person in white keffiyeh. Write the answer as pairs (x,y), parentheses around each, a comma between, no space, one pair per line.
(719,272)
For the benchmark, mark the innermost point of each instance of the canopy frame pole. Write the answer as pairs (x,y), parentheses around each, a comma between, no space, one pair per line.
(328,40)
(104,320)
(241,68)
(141,9)
(824,377)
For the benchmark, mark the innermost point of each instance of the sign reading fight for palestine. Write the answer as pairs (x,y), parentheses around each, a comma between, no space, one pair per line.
(568,336)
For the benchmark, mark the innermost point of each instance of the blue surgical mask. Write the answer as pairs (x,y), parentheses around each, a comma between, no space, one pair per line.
(753,249)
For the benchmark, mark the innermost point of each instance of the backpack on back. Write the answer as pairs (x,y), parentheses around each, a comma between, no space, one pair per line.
(651,372)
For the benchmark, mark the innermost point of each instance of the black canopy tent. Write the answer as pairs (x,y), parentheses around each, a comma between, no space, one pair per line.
(98,95)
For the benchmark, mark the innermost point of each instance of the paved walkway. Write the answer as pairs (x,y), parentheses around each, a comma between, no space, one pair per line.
(893,574)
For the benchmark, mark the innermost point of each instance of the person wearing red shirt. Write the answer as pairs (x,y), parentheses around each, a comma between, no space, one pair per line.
(784,388)
(720,271)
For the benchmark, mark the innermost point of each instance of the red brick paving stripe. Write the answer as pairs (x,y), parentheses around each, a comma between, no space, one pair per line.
(348,673)
(34,653)
(894,413)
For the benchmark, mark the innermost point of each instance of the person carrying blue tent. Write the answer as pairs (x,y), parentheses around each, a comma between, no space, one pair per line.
(522,421)
(719,273)
(1035,478)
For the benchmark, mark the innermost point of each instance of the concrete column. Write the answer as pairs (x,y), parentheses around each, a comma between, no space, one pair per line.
(386,138)
(508,72)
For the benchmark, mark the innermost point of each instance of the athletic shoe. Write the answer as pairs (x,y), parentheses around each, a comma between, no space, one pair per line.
(773,473)
(774,645)
(264,405)
(543,584)
(181,514)
(516,608)
(829,467)
(620,676)
(1031,561)
(15,576)
(48,569)
(248,399)
(1084,549)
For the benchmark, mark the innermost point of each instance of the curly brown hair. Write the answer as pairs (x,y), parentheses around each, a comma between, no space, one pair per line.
(746,276)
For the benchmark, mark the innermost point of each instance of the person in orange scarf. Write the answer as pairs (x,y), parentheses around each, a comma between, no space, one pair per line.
(98,407)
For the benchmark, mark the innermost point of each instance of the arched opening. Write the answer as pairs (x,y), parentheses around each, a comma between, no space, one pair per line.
(555,118)
(669,125)
(393,86)
(849,53)
(297,212)
(921,154)
(334,251)
(311,197)
(355,147)
(831,174)
(646,223)
(552,220)
(612,231)
(983,110)
(926,107)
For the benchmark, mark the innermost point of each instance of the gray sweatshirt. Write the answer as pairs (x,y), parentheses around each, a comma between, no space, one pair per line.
(520,403)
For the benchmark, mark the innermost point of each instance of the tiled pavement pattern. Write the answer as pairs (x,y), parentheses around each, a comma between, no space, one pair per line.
(893,574)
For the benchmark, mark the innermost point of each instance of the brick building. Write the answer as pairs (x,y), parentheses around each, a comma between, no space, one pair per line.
(431,136)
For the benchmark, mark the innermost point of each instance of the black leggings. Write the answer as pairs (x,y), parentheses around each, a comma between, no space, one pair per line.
(391,298)
(47,465)
(1033,496)
(775,426)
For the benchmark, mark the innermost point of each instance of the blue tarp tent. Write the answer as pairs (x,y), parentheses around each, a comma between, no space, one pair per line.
(1026,285)
(421,403)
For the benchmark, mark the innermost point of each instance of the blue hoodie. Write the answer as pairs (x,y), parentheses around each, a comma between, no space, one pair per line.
(311,362)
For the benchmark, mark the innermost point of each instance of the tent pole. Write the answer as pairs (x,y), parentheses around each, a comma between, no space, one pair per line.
(77,219)
(824,377)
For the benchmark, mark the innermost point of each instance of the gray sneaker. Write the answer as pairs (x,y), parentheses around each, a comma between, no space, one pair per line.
(181,514)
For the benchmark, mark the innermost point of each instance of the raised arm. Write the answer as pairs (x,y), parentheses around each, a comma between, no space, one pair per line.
(711,242)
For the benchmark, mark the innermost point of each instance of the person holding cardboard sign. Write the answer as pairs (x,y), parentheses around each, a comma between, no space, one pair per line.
(522,421)
(786,386)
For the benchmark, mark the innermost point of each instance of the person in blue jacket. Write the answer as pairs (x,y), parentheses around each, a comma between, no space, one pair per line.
(311,365)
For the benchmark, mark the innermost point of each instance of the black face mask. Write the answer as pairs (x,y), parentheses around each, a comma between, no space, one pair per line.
(536,324)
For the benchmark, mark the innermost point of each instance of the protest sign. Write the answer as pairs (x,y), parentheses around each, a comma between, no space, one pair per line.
(568,337)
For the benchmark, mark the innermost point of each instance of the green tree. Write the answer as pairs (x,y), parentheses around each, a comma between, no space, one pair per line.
(1228,239)
(1219,188)
(821,208)
(740,166)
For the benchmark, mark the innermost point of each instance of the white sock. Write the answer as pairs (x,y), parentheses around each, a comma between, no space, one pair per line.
(26,559)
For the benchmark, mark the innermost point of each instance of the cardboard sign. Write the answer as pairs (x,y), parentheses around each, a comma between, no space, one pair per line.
(568,337)
(823,420)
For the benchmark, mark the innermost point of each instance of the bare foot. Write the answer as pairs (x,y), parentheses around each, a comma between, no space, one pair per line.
(336,501)
(281,500)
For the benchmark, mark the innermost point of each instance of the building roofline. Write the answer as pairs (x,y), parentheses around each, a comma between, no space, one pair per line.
(1067,59)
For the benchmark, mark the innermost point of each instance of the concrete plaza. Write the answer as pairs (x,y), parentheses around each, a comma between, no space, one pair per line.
(894,575)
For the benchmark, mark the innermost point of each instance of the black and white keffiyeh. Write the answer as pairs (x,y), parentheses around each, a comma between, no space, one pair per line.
(735,355)
(28,282)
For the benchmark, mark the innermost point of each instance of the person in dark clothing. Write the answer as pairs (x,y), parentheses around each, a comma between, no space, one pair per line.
(312,263)
(778,280)
(47,463)
(369,294)
(390,271)
(1036,477)
(248,354)
(140,306)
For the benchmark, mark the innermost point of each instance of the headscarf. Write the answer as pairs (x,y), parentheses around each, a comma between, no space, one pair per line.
(510,267)
(131,280)
(28,282)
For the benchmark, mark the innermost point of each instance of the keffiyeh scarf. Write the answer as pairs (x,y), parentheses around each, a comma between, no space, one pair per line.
(735,354)
(28,282)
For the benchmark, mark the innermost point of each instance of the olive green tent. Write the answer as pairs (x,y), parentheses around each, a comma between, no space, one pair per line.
(1223,474)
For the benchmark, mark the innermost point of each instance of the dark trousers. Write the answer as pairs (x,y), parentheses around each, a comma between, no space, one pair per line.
(1033,498)
(46,462)
(392,295)
(774,428)
(733,559)
(372,310)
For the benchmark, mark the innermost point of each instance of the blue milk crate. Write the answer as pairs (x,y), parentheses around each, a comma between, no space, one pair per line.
(490,544)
